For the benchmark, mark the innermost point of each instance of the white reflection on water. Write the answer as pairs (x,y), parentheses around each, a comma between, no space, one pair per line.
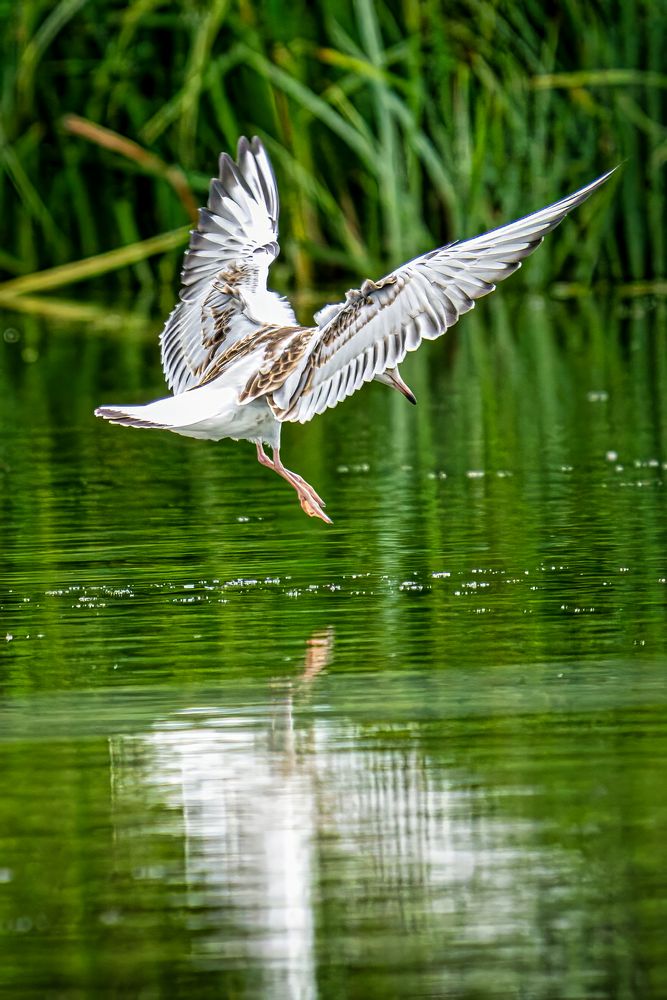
(250,822)
(270,811)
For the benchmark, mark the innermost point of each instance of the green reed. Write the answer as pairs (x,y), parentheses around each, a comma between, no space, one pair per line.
(393,127)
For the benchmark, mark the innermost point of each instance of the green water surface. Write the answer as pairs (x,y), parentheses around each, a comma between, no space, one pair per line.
(421,753)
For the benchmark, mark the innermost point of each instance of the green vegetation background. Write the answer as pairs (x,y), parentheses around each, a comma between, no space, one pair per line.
(392,126)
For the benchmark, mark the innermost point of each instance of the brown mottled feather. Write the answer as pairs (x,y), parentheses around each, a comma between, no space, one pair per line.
(278,366)
(281,352)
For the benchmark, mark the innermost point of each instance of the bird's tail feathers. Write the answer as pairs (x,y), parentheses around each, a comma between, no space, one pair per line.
(129,416)
(178,413)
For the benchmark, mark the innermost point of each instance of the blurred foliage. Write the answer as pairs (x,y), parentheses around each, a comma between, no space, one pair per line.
(392,126)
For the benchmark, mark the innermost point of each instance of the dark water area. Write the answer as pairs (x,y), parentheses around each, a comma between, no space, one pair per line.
(420,753)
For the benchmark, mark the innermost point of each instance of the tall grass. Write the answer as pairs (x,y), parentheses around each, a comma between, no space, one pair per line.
(392,126)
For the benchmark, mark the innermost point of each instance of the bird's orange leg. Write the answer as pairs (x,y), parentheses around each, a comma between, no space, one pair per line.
(310,501)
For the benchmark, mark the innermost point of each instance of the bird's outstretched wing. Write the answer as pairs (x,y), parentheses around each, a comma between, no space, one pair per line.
(235,242)
(379,323)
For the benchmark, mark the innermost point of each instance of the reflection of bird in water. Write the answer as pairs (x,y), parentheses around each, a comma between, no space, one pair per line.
(235,357)
(319,651)
(299,855)
(249,804)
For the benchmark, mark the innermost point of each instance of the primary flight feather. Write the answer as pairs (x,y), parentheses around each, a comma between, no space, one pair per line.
(238,363)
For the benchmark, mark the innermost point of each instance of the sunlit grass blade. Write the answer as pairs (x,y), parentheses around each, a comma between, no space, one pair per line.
(131,150)
(93,267)
(599,78)
(96,317)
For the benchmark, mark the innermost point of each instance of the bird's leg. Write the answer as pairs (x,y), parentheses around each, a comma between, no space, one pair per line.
(279,467)
(310,501)
(292,478)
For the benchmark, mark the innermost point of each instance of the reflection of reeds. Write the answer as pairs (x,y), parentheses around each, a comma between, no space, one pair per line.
(505,394)
(391,130)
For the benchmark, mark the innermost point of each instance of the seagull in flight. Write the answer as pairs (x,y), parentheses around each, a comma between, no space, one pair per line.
(238,363)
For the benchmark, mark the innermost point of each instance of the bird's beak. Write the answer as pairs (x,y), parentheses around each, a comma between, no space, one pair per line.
(397,382)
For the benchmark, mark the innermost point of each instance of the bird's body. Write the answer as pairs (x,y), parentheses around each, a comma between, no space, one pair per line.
(238,363)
